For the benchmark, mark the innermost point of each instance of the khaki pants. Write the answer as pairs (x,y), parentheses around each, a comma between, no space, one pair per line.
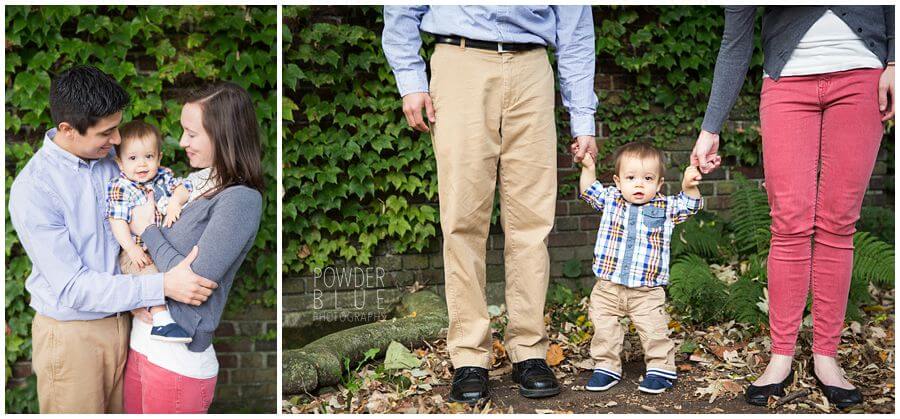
(494,111)
(646,307)
(80,365)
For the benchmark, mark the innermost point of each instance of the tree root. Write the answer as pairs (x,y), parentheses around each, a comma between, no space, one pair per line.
(319,363)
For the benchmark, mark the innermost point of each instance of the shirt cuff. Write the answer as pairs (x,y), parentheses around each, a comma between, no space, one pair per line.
(582,124)
(592,193)
(152,292)
(411,81)
(691,203)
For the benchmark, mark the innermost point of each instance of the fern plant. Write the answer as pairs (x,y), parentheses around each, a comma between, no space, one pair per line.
(873,260)
(750,217)
(703,236)
(695,292)
(745,295)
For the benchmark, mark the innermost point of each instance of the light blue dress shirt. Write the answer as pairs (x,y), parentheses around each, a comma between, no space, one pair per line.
(568,29)
(57,205)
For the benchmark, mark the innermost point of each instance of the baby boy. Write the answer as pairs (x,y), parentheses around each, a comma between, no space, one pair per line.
(138,157)
(631,261)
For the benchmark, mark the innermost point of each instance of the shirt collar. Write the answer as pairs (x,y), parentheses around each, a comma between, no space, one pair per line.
(68,159)
(54,150)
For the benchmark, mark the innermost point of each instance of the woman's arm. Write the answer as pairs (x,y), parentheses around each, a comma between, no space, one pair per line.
(234,220)
(731,65)
(889,31)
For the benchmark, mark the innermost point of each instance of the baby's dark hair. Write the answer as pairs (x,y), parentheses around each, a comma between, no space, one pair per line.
(641,150)
(137,129)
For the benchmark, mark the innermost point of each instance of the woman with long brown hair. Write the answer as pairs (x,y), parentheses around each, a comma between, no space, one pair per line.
(221,137)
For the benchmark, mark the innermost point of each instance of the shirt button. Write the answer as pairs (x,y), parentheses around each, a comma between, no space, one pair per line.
(859,29)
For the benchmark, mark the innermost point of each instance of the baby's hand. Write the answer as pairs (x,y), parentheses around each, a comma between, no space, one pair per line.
(587,162)
(138,257)
(691,178)
(173,211)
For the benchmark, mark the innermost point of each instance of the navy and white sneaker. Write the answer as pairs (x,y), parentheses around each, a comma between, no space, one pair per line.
(602,379)
(657,381)
(171,332)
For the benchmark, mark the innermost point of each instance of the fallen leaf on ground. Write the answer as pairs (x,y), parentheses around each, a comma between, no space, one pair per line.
(555,355)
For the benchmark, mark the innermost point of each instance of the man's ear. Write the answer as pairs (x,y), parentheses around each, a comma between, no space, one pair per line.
(661,180)
(66,129)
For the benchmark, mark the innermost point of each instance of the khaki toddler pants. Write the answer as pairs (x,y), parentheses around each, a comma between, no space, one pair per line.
(645,306)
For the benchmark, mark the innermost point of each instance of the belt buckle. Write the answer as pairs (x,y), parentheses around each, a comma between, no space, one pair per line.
(500,48)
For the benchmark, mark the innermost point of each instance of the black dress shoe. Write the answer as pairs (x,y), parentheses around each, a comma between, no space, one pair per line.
(535,378)
(840,397)
(759,395)
(470,385)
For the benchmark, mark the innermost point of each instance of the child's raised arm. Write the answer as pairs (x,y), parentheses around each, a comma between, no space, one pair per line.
(691,181)
(588,173)
(173,210)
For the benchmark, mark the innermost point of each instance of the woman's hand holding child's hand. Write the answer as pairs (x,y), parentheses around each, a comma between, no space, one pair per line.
(690,181)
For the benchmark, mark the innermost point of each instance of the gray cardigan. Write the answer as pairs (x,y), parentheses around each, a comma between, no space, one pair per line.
(782,29)
(224,228)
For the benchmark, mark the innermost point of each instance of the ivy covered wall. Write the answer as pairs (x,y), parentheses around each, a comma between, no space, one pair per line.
(356,176)
(155,53)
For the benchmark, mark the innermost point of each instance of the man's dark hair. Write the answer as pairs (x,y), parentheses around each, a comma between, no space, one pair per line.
(82,95)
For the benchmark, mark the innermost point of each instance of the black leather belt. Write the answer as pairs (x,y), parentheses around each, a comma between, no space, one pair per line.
(488,45)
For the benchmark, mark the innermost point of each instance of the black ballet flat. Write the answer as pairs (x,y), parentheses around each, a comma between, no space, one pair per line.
(840,397)
(759,395)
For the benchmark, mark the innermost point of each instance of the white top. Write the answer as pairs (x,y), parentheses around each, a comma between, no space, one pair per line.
(201,183)
(173,356)
(829,46)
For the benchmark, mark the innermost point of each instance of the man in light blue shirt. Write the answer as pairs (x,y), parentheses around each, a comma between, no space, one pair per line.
(490,108)
(57,206)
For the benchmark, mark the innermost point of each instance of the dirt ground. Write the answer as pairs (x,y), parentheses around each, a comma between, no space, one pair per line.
(622,398)
(715,365)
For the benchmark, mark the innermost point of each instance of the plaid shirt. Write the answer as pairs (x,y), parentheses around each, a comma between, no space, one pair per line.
(633,241)
(123,194)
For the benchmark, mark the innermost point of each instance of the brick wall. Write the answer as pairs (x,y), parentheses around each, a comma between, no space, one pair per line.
(247,364)
(572,237)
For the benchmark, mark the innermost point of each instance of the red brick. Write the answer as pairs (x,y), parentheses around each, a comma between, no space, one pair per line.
(590,223)
(754,172)
(21,369)
(234,345)
(225,329)
(568,239)
(226,361)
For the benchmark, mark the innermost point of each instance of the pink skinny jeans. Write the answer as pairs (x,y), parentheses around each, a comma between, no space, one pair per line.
(820,135)
(153,389)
